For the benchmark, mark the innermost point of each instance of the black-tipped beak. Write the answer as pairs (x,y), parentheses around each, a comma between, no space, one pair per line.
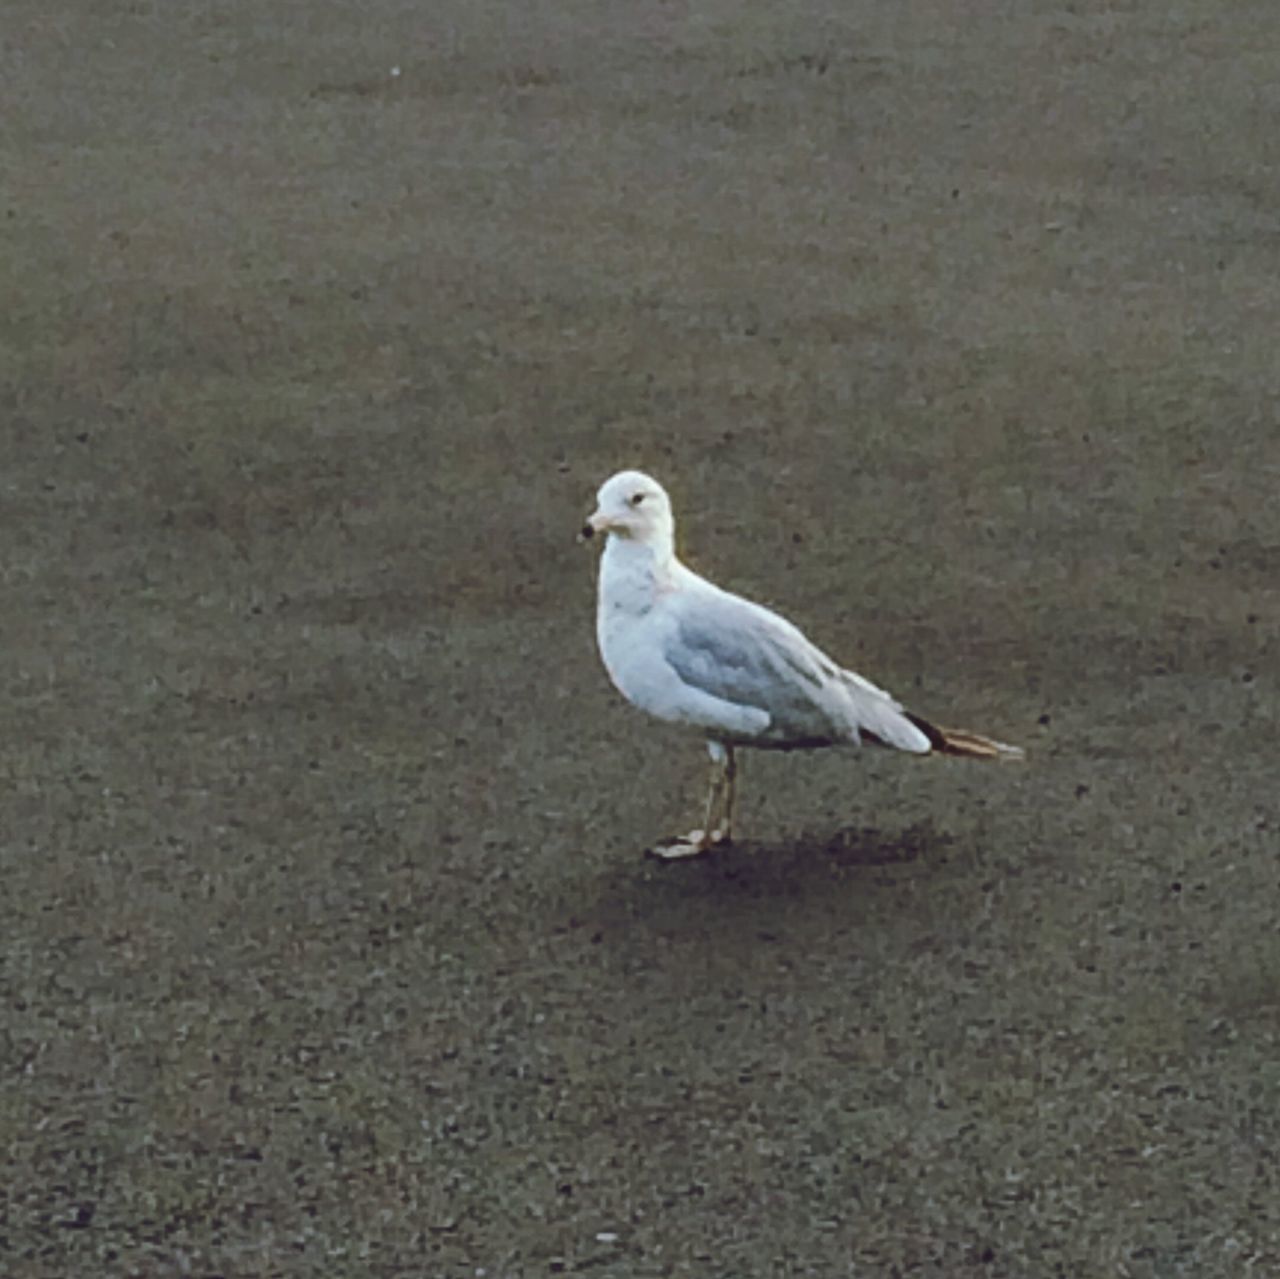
(596,523)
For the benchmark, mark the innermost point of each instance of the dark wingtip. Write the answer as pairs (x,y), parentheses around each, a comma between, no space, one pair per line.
(937,738)
(952,741)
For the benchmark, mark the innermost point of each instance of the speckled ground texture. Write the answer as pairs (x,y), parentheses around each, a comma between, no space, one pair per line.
(328,943)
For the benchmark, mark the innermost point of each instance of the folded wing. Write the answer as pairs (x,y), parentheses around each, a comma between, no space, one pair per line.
(741,653)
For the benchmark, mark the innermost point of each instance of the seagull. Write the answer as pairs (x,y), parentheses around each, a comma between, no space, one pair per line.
(679,647)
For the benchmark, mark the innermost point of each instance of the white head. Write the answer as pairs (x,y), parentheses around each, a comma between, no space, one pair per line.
(635,507)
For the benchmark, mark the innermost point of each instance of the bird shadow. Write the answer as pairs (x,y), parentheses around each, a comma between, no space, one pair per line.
(814,854)
(848,846)
(747,885)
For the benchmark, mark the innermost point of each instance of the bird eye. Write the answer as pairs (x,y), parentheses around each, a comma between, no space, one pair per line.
(637,498)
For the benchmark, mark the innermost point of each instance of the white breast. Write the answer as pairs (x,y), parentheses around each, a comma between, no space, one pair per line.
(628,626)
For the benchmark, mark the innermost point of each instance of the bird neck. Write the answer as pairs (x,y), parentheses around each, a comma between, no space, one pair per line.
(632,573)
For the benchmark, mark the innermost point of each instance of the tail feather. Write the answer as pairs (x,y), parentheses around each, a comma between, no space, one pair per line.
(953,741)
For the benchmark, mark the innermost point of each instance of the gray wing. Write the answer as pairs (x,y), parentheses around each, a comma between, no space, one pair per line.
(743,654)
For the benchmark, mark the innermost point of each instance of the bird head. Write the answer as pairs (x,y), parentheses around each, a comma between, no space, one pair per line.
(634,506)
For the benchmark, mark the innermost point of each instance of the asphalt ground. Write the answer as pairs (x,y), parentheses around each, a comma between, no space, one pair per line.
(329,947)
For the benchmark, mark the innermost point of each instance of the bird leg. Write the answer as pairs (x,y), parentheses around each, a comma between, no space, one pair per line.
(724,770)
(725,834)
